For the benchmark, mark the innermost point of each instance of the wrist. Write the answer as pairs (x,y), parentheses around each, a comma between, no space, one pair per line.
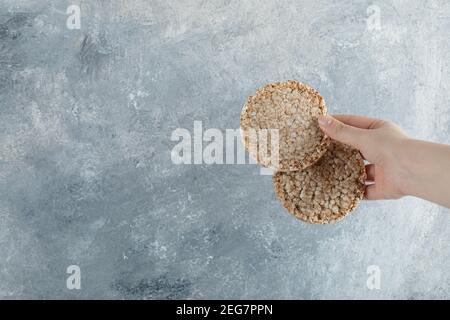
(406,168)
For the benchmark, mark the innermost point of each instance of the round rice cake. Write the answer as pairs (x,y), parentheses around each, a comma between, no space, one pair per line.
(291,108)
(326,191)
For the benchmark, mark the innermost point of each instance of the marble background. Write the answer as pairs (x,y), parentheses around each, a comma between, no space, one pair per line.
(86,176)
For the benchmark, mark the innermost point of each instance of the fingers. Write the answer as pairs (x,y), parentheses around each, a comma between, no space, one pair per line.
(370,172)
(342,132)
(372,192)
(357,121)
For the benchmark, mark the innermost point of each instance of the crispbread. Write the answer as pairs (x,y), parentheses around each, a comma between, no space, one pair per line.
(326,191)
(292,108)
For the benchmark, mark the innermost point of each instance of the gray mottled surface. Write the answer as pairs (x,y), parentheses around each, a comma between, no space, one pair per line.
(86,176)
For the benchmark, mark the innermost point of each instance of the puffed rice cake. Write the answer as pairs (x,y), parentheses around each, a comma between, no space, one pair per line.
(293,108)
(326,191)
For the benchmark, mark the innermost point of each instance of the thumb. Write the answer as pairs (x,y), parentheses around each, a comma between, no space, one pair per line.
(341,132)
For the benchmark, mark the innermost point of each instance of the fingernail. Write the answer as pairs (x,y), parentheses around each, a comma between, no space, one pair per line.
(325,120)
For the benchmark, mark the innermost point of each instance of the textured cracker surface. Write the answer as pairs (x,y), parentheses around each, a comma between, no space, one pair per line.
(326,191)
(85,170)
(293,109)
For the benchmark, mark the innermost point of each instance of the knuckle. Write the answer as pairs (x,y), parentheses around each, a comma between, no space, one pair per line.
(379,123)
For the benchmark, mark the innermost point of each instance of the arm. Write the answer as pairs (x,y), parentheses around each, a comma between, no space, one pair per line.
(399,165)
(429,168)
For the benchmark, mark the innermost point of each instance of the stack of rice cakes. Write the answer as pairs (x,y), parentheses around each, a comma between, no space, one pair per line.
(317,180)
